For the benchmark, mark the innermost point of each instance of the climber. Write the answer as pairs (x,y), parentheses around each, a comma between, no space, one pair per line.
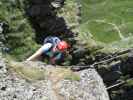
(53,48)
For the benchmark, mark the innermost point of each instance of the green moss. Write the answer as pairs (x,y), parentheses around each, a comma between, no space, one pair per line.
(69,13)
(63,73)
(27,72)
(19,36)
(73,77)
(129,83)
(106,24)
(32,73)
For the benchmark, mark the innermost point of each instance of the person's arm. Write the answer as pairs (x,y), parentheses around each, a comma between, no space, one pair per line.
(39,52)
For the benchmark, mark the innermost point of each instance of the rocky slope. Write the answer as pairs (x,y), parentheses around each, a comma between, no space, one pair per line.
(14,86)
(114,21)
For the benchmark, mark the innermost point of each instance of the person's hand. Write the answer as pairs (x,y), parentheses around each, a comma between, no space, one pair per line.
(52,60)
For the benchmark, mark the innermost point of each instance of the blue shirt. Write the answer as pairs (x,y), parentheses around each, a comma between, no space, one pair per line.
(47,49)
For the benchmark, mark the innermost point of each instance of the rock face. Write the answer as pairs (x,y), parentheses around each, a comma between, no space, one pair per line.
(13,87)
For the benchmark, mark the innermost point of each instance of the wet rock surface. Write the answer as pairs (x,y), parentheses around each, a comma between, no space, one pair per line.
(12,86)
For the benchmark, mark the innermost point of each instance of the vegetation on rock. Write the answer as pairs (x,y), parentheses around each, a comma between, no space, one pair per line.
(32,72)
(103,28)
(108,23)
(12,86)
(19,35)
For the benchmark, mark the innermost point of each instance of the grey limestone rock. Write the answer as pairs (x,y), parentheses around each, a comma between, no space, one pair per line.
(13,87)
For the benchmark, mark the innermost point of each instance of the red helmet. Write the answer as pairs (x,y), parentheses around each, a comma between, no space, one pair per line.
(62,45)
